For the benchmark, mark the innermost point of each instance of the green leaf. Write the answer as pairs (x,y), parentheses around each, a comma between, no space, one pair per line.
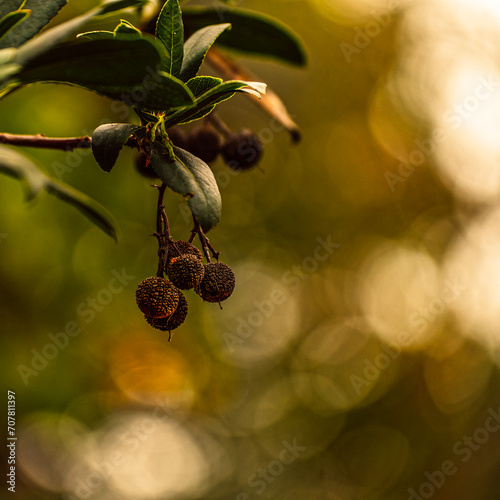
(107,142)
(25,169)
(94,211)
(8,6)
(118,68)
(42,11)
(196,48)
(109,6)
(206,102)
(97,35)
(126,28)
(10,20)
(170,31)
(201,84)
(49,38)
(251,33)
(192,178)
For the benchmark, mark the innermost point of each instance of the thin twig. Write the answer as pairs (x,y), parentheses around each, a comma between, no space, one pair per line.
(62,143)
(40,141)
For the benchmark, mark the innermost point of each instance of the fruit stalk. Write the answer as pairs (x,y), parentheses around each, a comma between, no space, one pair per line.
(162,231)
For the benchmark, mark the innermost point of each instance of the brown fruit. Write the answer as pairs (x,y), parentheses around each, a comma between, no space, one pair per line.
(156,297)
(185,271)
(205,143)
(173,321)
(179,247)
(242,150)
(218,282)
(178,137)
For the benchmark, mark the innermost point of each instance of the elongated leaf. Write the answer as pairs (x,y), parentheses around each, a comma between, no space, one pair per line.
(109,6)
(94,211)
(234,86)
(48,39)
(26,169)
(126,28)
(42,11)
(8,6)
(23,168)
(10,20)
(117,68)
(196,47)
(170,31)
(251,33)
(201,84)
(207,101)
(107,142)
(192,178)
(97,35)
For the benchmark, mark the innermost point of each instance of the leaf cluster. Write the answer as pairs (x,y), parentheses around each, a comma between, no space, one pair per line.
(156,75)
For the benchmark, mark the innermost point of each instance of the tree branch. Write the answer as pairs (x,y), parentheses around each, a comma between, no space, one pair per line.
(40,141)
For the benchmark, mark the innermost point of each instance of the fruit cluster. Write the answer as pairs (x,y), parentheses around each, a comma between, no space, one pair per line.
(161,300)
(240,150)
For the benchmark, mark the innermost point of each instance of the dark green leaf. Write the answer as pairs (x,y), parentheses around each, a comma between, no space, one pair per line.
(126,28)
(170,31)
(94,211)
(196,48)
(107,142)
(42,11)
(251,33)
(206,102)
(192,178)
(97,35)
(48,39)
(109,6)
(10,20)
(8,6)
(118,68)
(201,84)
(23,168)
(29,172)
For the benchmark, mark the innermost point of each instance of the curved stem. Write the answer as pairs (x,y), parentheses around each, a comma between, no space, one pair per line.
(205,242)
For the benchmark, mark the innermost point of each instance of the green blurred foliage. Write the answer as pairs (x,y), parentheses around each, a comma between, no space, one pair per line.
(355,372)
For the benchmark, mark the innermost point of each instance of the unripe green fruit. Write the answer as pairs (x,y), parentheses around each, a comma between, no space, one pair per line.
(179,247)
(186,271)
(205,143)
(242,150)
(156,297)
(173,321)
(217,284)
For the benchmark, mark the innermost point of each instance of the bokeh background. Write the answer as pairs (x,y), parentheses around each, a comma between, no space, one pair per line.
(358,357)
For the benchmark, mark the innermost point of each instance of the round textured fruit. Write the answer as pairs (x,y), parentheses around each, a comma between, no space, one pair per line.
(185,271)
(205,143)
(179,247)
(178,137)
(242,150)
(173,321)
(217,283)
(157,297)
